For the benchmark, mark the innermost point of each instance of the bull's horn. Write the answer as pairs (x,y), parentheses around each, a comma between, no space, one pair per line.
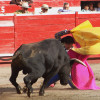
(79,61)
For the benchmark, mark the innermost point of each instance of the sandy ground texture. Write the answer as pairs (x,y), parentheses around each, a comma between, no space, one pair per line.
(8,92)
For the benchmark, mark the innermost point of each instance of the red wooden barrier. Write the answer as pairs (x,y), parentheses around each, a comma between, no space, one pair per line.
(16,30)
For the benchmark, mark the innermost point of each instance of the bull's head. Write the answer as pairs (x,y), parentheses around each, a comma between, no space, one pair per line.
(65,71)
(64,74)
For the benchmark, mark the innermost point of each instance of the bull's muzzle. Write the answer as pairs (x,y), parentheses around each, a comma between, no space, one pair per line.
(63,79)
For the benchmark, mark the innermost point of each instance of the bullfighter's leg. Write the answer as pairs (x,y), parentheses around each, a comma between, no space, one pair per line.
(53,80)
(13,77)
(52,73)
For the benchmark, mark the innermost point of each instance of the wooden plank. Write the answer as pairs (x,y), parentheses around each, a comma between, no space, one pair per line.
(6,33)
(95,23)
(6,30)
(45,22)
(91,56)
(32,37)
(4,36)
(44,28)
(33,17)
(8,42)
(34,34)
(19,42)
(7,50)
(6,17)
(83,16)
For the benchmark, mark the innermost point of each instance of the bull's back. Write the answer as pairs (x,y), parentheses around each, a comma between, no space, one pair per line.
(49,47)
(45,46)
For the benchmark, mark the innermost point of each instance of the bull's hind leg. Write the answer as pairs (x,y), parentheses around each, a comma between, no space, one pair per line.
(13,77)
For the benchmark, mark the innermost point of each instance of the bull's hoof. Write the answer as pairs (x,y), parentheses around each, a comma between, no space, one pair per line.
(19,90)
(29,92)
(25,90)
(41,93)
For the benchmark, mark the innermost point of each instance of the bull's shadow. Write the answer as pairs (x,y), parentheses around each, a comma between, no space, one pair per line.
(36,90)
(60,89)
(12,90)
(7,89)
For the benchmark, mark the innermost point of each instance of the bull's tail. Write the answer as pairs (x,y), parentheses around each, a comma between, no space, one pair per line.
(76,60)
(13,57)
(17,52)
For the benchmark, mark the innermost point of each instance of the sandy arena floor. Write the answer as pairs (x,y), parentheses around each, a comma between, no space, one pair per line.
(7,91)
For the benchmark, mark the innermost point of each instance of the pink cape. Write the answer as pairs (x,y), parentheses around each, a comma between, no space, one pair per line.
(82,77)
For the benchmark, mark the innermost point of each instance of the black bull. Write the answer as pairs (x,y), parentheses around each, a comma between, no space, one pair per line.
(42,59)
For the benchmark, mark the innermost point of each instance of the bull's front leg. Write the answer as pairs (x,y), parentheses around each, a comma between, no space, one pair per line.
(52,73)
(32,82)
(29,80)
